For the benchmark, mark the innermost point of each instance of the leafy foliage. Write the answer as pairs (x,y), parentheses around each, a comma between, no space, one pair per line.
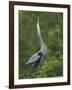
(51,25)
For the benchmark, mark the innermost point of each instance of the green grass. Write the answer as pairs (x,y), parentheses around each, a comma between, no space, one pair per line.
(52,33)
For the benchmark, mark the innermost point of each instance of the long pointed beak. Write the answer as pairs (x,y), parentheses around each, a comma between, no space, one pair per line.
(38,19)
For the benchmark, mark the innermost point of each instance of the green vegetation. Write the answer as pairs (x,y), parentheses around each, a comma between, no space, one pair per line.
(51,25)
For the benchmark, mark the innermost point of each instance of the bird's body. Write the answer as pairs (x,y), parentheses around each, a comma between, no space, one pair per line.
(38,60)
(38,56)
(35,59)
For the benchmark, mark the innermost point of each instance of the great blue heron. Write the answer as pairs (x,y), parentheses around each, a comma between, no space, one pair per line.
(36,58)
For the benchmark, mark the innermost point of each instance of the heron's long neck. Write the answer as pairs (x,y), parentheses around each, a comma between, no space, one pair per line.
(40,38)
(38,32)
(42,44)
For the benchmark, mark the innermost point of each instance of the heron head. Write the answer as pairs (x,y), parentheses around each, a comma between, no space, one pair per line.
(38,26)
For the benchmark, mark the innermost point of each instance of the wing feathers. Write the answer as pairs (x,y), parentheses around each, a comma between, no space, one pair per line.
(33,59)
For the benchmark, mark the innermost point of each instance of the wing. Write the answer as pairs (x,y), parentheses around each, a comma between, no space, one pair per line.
(33,58)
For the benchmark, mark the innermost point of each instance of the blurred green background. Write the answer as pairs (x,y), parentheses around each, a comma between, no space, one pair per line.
(51,25)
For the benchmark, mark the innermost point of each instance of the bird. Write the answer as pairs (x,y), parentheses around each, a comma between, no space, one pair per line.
(37,58)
